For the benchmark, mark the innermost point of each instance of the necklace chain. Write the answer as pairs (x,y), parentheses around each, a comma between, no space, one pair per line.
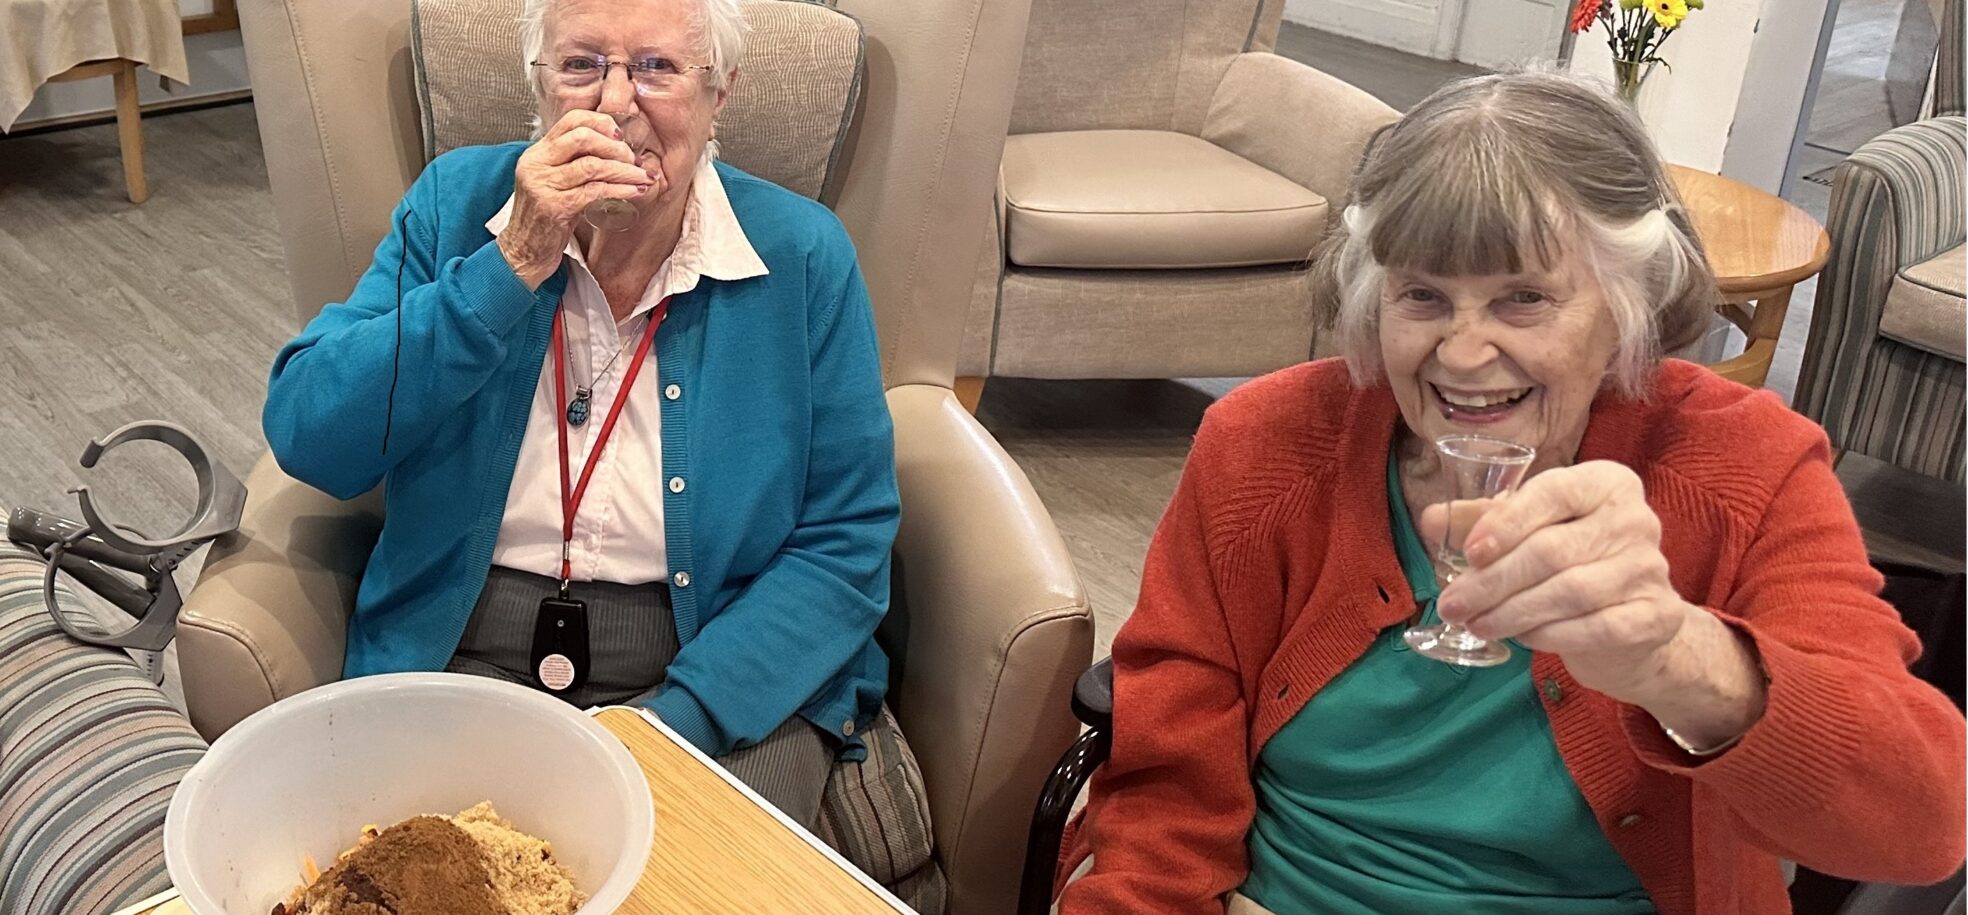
(627,340)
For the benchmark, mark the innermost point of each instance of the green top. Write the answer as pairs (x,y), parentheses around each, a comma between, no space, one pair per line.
(1409,785)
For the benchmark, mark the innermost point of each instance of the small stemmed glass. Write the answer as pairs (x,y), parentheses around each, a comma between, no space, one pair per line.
(1483,470)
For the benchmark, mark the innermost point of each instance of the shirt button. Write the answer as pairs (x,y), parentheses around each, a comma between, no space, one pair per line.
(847,728)
(1554,691)
(1631,820)
(672,392)
(682,579)
(676,484)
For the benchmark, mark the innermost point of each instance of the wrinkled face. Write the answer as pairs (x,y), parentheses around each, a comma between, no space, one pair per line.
(668,127)
(1517,357)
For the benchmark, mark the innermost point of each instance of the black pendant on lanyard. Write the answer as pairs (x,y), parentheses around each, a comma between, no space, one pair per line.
(560,645)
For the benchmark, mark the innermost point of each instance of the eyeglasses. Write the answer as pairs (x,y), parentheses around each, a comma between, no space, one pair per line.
(654,77)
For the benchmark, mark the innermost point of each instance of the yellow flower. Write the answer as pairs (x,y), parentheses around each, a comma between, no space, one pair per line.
(1668,13)
(1630,4)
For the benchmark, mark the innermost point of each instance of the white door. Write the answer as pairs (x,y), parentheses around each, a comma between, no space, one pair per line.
(1498,33)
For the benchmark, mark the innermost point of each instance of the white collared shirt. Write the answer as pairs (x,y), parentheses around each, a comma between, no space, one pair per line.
(618,532)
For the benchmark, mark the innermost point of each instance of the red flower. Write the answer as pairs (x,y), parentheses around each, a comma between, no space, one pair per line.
(1584,12)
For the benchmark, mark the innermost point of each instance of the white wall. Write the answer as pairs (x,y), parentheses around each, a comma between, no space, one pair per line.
(1768,114)
(1487,33)
(1500,33)
(1731,103)
(1693,109)
(1408,25)
(216,60)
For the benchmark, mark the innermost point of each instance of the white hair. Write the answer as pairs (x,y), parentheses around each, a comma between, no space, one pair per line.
(1494,173)
(719,33)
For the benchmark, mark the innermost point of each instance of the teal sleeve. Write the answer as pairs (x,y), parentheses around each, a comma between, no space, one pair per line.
(813,609)
(414,341)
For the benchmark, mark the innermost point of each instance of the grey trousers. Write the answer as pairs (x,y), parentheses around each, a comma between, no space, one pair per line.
(631,641)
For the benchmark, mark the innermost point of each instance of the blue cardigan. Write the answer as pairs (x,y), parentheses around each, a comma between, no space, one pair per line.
(780,539)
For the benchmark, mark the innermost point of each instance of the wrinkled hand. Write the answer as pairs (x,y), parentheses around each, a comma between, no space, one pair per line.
(1571,564)
(580,160)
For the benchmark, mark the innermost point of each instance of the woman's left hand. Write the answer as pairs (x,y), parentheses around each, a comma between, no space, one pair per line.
(1571,564)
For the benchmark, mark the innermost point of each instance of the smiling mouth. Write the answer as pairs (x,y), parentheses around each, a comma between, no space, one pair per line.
(1479,406)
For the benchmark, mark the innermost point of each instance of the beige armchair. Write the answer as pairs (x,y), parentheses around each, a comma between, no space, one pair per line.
(1166,180)
(991,623)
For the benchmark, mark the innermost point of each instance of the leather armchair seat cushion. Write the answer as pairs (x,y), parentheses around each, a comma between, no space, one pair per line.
(1150,199)
(1925,307)
(786,120)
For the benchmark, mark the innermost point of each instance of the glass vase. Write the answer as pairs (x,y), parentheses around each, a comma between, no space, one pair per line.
(1628,75)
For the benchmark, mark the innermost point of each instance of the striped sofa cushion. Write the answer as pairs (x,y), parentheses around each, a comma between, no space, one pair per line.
(90,752)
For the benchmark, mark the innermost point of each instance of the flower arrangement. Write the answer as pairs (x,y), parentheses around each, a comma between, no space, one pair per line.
(1635,32)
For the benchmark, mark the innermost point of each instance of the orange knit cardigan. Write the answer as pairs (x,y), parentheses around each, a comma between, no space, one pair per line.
(1274,568)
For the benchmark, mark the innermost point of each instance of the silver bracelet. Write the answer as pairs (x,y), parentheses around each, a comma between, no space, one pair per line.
(1691,749)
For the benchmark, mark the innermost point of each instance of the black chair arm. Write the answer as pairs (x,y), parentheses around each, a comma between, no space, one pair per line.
(1093,696)
(1093,704)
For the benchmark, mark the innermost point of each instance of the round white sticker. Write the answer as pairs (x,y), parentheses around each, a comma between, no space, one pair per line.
(556,671)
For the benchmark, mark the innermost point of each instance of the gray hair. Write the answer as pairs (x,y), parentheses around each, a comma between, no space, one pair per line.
(1494,173)
(719,31)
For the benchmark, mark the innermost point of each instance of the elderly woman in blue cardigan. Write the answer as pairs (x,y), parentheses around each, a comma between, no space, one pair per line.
(639,456)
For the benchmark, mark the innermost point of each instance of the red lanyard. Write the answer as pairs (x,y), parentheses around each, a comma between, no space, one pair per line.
(570,501)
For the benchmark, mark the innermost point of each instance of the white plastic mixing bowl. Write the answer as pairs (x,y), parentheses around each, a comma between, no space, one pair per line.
(304,775)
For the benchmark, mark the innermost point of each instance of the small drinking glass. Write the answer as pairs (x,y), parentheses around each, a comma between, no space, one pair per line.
(1482,470)
(612,214)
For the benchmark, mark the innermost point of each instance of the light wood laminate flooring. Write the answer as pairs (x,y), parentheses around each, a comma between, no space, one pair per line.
(115,312)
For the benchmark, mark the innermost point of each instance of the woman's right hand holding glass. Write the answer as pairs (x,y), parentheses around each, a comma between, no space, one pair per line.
(580,160)
(1572,565)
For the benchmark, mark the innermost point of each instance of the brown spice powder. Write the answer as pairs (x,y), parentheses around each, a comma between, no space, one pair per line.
(422,866)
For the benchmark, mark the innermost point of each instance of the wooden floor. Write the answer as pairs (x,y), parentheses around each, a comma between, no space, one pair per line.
(1396,77)
(1104,456)
(115,312)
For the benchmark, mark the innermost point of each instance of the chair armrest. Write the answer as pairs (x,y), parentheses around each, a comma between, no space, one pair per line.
(996,626)
(268,617)
(1093,696)
(1912,177)
(1093,703)
(1296,121)
(1894,202)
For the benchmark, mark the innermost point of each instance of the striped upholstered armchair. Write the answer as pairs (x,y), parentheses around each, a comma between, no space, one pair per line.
(1884,368)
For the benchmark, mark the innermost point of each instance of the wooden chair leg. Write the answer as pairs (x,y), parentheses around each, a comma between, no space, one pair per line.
(970,390)
(129,131)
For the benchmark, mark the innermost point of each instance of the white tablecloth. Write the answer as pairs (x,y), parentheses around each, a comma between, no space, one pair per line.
(43,38)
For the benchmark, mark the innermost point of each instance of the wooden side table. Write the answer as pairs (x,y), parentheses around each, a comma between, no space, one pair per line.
(1760,248)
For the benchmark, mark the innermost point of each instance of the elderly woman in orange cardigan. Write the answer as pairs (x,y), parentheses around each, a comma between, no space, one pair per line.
(1705,681)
